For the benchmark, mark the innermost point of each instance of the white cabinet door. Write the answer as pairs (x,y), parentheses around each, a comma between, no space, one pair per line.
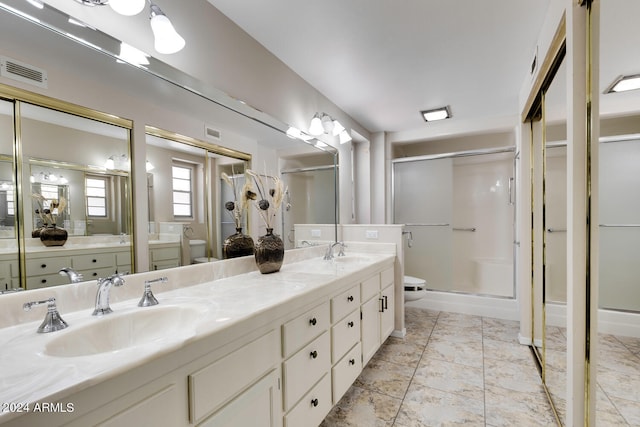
(256,407)
(387,312)
(370,328)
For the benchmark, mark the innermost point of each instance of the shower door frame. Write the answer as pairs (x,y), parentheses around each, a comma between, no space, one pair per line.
(512,183)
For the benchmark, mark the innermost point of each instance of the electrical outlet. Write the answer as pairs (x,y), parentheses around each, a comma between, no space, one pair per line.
(316,233)
(372,234)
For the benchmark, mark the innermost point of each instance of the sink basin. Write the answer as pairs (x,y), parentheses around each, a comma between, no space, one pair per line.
(119,331)
(352,259)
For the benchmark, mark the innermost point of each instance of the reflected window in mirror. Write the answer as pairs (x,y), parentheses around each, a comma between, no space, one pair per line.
(182,174)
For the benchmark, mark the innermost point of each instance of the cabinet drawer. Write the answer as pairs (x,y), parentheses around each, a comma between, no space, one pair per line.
(304,328)
(345,372)
(213,385)
(345,303)
(305,368)
(96,273)
(344,335)
(53,279)
(162,265)
(123,258)
(370,287)
(40,266)
(313,407)
(386,278)
(165,254)
(92,262)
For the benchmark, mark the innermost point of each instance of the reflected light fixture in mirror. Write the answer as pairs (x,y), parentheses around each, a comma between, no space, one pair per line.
(624,83)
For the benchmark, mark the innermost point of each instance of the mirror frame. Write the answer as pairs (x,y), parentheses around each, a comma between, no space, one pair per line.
(18,96)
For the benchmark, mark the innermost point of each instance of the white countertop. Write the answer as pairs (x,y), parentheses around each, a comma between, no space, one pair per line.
(27,374)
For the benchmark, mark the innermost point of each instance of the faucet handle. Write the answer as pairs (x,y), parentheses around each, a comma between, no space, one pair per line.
(342,246)
(148,299)
(52,320)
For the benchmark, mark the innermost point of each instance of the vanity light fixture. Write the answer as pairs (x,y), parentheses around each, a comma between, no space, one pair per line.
(322,123)
(436,114)
(149,166)
(624,83)
(167,39)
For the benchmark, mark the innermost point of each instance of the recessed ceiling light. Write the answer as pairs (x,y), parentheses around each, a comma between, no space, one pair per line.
(436,114)
(624,83)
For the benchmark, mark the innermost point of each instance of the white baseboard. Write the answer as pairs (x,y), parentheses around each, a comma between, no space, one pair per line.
(500,308)
(609,321)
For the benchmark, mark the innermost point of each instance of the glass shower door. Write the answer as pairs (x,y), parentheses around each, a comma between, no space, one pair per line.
(423,200)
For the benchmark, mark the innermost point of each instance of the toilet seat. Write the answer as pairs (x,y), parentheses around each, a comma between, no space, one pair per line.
(414,283)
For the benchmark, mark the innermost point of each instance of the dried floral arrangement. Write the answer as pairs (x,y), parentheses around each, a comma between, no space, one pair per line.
(49,216)
(268,198)
(241,196)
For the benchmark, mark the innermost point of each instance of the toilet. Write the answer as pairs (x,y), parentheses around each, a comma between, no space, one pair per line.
(414,288)
(198,250)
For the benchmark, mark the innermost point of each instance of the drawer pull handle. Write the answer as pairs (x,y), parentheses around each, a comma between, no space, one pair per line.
(350,298)
(386,305)
(352,361)
(43,281)
(43,266)
(350,324)
(313,321)
(94,260)
(314,402)
(381,305)
(313,354)
(94,274)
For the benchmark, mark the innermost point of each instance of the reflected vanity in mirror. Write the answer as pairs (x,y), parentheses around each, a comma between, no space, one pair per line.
(187,221)
(76,210)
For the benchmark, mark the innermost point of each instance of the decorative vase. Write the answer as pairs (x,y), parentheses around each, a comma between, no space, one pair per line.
(53,236)
(237,245)
(269,252)
(36,231)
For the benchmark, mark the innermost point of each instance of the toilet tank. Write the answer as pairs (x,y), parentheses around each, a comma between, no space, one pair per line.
(197,248)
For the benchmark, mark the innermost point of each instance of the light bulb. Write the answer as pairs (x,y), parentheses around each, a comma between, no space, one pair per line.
(337,128)
(167,40)
(344,137)
(327,123)
(127,7)
(316,126)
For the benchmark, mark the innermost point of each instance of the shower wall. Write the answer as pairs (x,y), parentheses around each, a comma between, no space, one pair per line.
(459,213)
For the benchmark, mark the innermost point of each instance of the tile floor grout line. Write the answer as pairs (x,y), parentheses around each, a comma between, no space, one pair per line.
(414,371)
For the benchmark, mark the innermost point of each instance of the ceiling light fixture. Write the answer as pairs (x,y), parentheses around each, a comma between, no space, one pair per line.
(167,39)
(322,123)
(127,7)
(624,83)
(436,114)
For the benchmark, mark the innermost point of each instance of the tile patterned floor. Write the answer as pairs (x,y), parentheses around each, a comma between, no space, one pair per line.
(618,377)
(451,369)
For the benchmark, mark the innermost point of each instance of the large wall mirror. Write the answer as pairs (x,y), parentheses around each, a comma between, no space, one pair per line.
(243,129)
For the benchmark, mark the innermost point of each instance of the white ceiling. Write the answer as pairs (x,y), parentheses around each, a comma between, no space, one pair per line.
(383,61)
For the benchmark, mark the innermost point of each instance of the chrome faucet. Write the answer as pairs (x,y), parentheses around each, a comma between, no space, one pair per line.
(329,254)
(148,299)
(52,320)
(73,275)
(102,297)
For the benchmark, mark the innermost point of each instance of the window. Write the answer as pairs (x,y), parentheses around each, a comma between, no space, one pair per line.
(182,191)
(96,196)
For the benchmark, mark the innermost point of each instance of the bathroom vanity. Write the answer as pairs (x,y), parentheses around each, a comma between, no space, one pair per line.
(226,346)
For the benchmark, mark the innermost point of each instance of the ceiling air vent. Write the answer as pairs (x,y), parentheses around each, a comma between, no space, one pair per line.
(212,133)
(22,72)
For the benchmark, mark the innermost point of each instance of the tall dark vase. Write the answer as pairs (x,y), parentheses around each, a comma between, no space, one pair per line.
(269,252)
(237,245)
(53,236)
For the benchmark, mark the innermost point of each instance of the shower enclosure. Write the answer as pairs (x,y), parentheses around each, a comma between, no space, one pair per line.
(459,209)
